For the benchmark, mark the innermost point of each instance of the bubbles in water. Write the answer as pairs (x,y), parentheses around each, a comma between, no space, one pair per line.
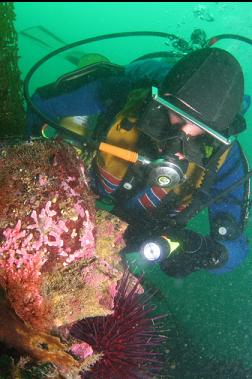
(202,12)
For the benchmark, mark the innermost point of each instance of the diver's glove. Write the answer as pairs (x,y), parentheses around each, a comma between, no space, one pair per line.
(185,252)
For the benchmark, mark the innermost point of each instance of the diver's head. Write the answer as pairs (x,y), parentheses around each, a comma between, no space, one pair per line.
(205,88)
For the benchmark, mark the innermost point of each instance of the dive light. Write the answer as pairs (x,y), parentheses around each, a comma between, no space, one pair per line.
(159,249)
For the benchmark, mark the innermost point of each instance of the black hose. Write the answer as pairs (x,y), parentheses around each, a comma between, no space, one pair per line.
(215,39)
(70,46)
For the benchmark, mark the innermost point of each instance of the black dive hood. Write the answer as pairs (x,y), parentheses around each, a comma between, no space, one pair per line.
(180,45)
(210,81)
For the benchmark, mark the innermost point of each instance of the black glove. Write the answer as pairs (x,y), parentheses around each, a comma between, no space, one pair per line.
(195,252)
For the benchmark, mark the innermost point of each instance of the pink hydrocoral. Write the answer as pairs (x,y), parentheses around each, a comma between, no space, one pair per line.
(82,350)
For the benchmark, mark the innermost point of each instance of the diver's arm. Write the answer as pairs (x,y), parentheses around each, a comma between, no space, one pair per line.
(227,217)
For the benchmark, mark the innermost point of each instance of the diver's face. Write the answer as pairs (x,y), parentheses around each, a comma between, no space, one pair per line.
(163,127)
(187,127)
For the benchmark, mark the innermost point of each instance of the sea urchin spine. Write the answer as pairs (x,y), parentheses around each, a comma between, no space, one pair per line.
(129,339)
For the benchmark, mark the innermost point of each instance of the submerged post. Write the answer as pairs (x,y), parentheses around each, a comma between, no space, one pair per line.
(12,111)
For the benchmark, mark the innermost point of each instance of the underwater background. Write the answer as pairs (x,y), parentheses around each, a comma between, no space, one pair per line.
(211,316)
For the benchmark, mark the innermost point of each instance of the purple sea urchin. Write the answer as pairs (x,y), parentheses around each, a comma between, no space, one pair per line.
(129,339)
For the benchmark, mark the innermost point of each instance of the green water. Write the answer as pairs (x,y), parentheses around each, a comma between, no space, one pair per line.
(216,312)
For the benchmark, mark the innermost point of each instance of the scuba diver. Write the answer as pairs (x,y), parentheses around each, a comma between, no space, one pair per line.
(172,152)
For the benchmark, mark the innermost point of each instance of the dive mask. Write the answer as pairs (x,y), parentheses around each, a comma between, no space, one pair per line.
(155,120)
